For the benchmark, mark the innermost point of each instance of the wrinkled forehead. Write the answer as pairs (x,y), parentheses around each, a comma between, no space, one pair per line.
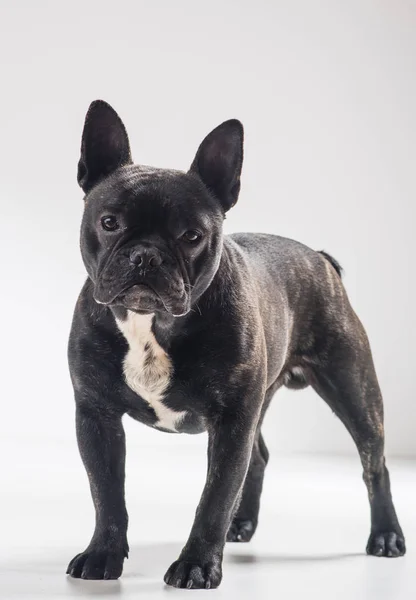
(136,176)
(149,192)
(133,180)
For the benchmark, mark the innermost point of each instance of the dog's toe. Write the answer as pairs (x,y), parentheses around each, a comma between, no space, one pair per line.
(241,530)
(386,543)
(96,564)
(190,575)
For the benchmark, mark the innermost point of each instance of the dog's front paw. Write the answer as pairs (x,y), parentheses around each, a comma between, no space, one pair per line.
(97,564)
(194,574)
(241,530)
(386,543)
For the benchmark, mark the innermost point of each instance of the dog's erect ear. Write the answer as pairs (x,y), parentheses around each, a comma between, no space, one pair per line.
(219,160)
(105,146)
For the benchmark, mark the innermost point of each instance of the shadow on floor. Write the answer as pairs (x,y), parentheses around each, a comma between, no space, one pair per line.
(288,558)
(143,572)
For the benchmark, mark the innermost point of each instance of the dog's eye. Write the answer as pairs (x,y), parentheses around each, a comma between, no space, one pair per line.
(191,236)
(109,223)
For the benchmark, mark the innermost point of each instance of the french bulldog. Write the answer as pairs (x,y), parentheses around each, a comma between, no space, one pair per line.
(188,330)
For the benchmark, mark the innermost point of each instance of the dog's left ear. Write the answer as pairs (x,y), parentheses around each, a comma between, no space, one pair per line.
(219,160)
(105,145)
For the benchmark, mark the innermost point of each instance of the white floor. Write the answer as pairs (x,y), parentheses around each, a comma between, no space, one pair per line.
(310,542)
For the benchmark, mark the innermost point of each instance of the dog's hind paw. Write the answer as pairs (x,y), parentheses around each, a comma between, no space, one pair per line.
(386,543)
(241,530)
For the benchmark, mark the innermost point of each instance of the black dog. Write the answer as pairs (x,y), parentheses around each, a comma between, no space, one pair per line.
(187,331)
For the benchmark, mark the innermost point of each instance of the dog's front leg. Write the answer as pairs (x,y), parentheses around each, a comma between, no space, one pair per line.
(101,443)
(230,445)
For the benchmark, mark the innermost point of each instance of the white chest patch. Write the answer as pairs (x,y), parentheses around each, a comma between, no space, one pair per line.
(147,367)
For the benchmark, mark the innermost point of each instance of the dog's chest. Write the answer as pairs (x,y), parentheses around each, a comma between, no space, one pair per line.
(147,368)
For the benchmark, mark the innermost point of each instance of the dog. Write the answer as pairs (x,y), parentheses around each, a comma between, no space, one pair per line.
(188,330)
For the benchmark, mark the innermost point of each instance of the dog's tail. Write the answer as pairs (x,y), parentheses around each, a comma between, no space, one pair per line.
(333,262)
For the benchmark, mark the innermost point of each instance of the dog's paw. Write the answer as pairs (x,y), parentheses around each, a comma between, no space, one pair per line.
(386,543)
(241,530)
(97,564)
(194,574)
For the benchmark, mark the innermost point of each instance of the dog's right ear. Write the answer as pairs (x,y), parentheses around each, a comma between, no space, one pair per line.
(105,145)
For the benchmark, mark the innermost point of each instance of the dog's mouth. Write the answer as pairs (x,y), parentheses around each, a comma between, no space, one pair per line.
(142,298)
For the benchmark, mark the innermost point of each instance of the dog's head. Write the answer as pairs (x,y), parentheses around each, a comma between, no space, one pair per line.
(151,239)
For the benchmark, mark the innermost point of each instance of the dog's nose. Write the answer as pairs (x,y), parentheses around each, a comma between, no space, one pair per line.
(145,257)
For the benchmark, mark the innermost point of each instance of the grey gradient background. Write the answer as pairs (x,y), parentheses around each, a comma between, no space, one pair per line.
(326,91)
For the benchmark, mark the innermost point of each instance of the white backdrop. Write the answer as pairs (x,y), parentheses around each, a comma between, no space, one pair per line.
(326,91)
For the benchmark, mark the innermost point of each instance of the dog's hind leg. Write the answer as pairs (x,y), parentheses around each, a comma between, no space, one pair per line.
(245,520)
(344,376)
